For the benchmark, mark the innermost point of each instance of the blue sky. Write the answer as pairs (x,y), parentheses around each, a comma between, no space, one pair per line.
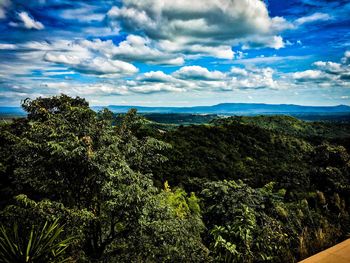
(176,53)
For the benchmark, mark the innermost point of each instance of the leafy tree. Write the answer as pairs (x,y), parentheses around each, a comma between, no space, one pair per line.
(243,223)
(86,167)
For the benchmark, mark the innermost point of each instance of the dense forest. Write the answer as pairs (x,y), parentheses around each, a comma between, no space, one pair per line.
(83,186)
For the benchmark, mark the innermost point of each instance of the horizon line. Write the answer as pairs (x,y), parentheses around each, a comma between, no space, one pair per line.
(191,106)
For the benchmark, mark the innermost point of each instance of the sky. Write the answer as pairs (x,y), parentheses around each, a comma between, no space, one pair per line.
(176,52)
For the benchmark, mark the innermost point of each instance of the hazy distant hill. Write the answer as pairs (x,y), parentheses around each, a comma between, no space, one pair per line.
(12,111)
(223,108)
(239,109)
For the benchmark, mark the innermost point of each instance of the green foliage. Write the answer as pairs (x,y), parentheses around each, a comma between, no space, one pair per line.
(171,229)
(235,151)
(72,164)
(180,118)
(243,189)
(291,126)
(39,246)
(244,222)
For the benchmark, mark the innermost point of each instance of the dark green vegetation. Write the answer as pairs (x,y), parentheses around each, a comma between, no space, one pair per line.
(239,189)
(180,118)
(40,245)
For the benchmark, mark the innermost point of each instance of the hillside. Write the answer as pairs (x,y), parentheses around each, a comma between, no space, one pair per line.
(291,126)
(232,189)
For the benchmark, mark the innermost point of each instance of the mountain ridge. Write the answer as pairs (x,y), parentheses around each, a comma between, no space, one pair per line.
(221,108)
(238,108)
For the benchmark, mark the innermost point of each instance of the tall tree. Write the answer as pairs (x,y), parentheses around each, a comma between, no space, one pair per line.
(73,162)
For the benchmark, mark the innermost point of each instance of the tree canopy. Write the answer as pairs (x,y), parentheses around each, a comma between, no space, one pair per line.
(260,189)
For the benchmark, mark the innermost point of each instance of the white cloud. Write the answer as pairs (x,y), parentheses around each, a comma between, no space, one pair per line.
(93,89)
(307,75)
(136,48)
(239,71)
(198,78)
(87,57)
(83,13)
(329,67)
(255,78)
(62,58)
(133,49)
(26,21)
(208,23)
(275,42)
(327,74)
(155,88)
(196,50)
(198,73)
(269,59)
(312,18)
(280,24)
(7,46)
(165,19)
(155,76)
(97,66)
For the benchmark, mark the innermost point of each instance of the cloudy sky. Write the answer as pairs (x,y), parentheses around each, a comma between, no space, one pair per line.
(176,52)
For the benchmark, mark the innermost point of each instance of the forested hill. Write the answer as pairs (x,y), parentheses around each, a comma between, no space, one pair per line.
(255,149)
(127,189)
(291,126)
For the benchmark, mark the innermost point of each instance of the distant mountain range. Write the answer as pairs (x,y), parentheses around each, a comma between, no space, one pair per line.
(223,108)
(238,109)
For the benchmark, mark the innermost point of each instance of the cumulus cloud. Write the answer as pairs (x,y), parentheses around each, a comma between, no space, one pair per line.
(133,49)
(308,75)
(145,88)
(329,67)
(94,57)
(136,48)
(62,58)
(84,56)
(275,42)
(88,57)
(206,23)
(24,20)
(255,78)
(96,66)
(196,50)
(239,71)
(143,49)
(190,78)
(198,73)
(155,76)
(327,73)
(92,89)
